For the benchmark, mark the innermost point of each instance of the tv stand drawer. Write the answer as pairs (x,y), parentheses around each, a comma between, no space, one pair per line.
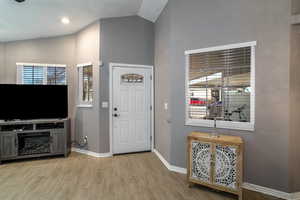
(47,126)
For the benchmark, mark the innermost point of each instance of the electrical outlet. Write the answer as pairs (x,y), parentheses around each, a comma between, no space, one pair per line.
(85,139)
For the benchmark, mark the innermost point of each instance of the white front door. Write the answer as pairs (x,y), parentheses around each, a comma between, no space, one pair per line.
(131,109)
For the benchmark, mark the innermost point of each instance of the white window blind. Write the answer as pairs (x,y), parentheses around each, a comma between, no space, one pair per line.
(41,74)
(33,75)
(220,87)
(56,76)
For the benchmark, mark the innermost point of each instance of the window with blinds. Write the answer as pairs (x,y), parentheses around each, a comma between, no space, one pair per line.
(56,75)
(33,75)
(41,74)
(220,86)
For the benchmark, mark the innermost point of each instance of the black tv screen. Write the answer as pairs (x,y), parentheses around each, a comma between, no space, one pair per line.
(24,102)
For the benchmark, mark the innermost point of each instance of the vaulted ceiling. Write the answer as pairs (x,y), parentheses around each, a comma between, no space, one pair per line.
(42,18)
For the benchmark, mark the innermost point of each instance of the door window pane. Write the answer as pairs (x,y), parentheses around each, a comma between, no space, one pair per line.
(132,78)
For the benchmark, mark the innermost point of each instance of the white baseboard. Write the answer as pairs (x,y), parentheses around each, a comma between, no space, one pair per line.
(248,186)
(90,153)
(272,192)
(162,159)
(168,165)
(178,169)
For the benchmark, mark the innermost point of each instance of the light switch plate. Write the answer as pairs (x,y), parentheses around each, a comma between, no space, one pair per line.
(166,106)
(104,104)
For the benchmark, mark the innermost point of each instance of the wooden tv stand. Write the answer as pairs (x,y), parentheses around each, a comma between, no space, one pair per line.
(34,138)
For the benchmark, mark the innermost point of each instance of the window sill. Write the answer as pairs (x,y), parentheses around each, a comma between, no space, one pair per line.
(85,106)
(243,126)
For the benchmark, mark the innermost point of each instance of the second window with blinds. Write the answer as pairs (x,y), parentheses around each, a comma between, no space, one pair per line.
(85,79)
(41,74)
(220,85)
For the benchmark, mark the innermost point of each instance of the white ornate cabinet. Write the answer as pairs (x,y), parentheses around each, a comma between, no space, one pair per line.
(216,162)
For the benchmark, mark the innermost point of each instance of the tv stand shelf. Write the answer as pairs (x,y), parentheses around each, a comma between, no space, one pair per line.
(34,138)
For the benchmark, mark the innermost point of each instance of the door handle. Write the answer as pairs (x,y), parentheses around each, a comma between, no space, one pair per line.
(116,115)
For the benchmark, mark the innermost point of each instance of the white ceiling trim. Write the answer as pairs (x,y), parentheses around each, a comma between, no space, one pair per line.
(151,9)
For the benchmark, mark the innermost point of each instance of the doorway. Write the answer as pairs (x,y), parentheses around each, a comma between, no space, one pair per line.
(131,108)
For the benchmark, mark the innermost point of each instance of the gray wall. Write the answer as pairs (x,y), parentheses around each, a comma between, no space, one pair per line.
(162,84)
(127,40)
(57,50)
(295,109)
(295,7)
(81,47)
(197,24)
(87,119)
(2,68)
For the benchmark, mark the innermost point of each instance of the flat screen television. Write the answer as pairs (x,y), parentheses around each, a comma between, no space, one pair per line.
(26,102)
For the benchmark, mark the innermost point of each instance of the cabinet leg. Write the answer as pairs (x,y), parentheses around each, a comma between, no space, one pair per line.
(241,194)
(191,185)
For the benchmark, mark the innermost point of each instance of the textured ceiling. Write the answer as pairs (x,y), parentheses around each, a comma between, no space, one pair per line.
(41,18)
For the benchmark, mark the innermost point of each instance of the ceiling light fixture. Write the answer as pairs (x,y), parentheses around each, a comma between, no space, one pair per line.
(65,20)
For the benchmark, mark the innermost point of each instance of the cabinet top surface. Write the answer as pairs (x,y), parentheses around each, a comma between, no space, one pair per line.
(31,121)
(220,139)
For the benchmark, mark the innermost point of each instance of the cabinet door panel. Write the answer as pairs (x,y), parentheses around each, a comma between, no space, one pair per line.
(8,145)
(225,170)
(201,161)
(58,143)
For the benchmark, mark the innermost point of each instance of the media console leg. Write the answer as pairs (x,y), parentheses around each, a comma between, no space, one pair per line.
(191,185)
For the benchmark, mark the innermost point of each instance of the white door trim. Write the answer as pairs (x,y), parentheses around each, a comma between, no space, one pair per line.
(111,65)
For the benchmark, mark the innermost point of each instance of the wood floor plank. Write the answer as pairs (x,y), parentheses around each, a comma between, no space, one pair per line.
(80,177)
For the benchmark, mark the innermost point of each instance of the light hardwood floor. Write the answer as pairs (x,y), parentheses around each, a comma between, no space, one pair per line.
(80,177)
